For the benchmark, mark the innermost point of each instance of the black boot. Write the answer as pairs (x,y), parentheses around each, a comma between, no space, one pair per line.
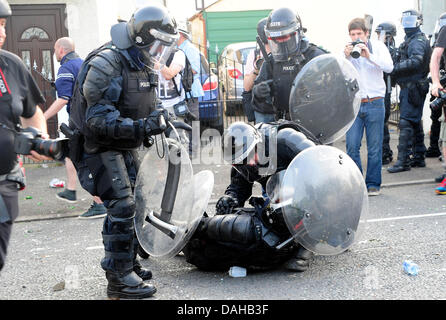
(128,286)
(399,166)
(143,273)
(433,152)
(387,159)
(405,141)
(301,261)
(417,162)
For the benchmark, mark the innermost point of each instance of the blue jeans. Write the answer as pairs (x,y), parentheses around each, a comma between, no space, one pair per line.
(371,118)
(264,117)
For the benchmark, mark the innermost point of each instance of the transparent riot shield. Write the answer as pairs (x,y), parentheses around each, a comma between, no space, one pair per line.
(323,196)
(170,200)
(325,97)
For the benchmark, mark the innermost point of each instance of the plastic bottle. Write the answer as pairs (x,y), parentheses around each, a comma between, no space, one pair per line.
(411,268)
(237,272)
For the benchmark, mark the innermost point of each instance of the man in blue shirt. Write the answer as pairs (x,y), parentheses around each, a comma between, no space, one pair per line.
(70,64)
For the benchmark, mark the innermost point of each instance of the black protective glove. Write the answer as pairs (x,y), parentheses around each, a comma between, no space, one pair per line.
(262,90)
(226,204)
(152,125)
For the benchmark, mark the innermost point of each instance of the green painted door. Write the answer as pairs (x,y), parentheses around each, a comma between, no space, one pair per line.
(223,28)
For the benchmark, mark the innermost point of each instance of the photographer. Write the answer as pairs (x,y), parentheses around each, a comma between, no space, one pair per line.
(410,73)
(433,151)
(371,59)
(436,91)
(19,97)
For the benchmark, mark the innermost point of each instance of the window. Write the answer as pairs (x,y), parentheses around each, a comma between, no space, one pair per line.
(34,32)
(26,57)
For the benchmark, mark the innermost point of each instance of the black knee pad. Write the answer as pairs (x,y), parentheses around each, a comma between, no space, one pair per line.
(122,208)
(405,124)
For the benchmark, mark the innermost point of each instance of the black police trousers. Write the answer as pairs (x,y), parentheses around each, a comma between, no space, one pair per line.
(387,151)
(111,176)
(231,240)
(411,112)
(9,210)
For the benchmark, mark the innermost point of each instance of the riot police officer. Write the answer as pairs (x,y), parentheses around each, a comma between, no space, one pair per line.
(410,72)
(386,32)
(290,51)
(118,82)
(237,235)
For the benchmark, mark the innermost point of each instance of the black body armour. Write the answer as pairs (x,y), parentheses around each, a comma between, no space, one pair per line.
(284,74)
(138,97)
(138,100)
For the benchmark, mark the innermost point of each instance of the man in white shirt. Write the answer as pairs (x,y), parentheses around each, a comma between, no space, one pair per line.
(373,61)
(170,89)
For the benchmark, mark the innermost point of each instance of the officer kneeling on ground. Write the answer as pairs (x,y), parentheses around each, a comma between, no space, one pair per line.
(290,52)
(248,237)
(115,112)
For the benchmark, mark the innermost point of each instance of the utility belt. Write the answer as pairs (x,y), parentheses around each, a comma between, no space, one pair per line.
(16,175)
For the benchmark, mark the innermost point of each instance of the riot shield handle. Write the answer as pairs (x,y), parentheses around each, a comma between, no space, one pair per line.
(168,229)
(162,123)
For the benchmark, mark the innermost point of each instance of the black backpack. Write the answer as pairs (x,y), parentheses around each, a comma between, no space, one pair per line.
(78,104)
(187,75)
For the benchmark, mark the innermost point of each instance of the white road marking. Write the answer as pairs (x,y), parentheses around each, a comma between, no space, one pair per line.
(407,217)
(95,248)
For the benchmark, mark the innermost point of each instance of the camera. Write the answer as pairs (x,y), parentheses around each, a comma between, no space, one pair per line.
(356,52)
(439,102)
(31,139)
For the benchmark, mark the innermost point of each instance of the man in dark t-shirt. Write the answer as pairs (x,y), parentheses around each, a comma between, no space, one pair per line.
(437,54)
(19,97)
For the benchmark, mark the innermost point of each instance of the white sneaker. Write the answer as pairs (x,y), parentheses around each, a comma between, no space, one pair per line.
(373,192)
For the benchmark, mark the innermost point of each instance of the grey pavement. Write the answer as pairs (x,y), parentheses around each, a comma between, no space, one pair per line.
(38,201)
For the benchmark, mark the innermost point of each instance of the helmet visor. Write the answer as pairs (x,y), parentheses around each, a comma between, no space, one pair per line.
(385,37)
(284,46)
(158,52)
(409,22)
(239,144)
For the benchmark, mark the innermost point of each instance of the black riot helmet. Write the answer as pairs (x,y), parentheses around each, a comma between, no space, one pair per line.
(388,27)
(152,30)
(239,149)
(386,32)
(284,32)
(411,19)
(5,9)
(239,141)
(261,30)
